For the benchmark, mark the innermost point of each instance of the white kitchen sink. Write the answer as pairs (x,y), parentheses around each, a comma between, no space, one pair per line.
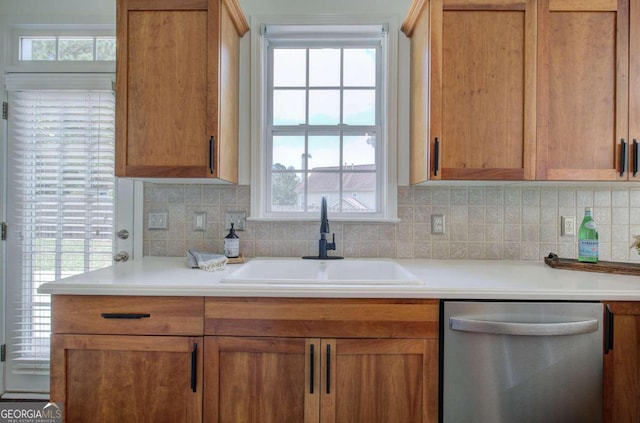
(341,272)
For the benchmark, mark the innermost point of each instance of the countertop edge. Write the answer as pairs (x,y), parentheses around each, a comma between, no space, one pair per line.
(442,279)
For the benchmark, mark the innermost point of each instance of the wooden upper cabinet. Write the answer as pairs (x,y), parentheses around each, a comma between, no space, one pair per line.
(473,73)
(583,90)
(634,91)
(177,88)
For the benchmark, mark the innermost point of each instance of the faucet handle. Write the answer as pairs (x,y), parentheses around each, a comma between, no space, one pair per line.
(332,245)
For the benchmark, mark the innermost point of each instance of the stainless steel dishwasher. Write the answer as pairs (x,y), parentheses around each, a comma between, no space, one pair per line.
(521,362)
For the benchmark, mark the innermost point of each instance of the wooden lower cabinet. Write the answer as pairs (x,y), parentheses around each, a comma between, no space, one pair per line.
(195,359)
(112,378)
(319,380)
(622,365)
(320,360)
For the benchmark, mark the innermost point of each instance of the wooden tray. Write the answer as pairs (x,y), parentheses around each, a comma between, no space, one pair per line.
(236,260)
(602,266)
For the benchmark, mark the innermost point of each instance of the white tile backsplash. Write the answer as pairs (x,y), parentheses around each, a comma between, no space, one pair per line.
(493,223)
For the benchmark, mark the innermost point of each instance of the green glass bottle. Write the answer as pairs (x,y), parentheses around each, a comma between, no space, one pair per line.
(588,239)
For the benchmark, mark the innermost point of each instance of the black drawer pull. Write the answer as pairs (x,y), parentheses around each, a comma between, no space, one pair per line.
(125,315)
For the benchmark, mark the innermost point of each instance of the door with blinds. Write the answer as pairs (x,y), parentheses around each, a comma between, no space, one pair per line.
(61,209)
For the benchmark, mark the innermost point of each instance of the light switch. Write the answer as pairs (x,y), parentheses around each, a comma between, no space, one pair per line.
(199,221)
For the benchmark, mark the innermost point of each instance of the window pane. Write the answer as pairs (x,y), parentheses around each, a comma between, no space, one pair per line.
(324,67)
(289,67)
(359,150)
(287,190)
(61,179)
(324,151)
(324,107)
(358,191)
(75,49)
(360,67)
(321,184)
(288,152)
(288,107)
(106,48)
(38,48)
(359,107)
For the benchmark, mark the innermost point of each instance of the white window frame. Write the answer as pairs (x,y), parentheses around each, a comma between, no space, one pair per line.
(387,171)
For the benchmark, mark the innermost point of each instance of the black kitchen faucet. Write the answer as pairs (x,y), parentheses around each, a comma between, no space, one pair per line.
(323,245)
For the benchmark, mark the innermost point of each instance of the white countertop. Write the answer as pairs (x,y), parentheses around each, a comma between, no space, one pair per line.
(479,279)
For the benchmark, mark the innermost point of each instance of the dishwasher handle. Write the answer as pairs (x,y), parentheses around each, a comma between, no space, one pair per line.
(523,329)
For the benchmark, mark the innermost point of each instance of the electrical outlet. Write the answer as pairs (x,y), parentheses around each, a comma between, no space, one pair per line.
(437,224)
(237,218)
(199,221)
(568,225)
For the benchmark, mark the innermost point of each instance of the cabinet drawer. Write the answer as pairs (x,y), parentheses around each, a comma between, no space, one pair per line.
(127,315)
(314,317)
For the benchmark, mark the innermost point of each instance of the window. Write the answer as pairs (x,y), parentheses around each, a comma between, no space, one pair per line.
(69,48)
(60,205)
(325,129)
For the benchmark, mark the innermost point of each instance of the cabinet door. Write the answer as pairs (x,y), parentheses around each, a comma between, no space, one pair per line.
(261,380)
(622,366)
(634,90)
(482,105)
(105,378)
(177,88)
(583,88)
(162,92)
(379,380)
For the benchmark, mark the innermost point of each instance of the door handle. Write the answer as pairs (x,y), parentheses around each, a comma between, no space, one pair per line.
(312,369)
(635,157)
(121,256)
(328,376)
(623,157)
(436,157)
(194,366)
(523,329)
(212,141)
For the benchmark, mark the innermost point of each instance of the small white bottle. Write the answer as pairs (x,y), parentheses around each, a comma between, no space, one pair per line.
(232,244)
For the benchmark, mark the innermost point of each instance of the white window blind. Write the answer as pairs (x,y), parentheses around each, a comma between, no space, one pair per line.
(60,210)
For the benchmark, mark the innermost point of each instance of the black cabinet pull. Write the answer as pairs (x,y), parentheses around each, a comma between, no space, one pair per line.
(211,153)
(125,315)
(608,326)
(635,157)
(311,367)
(328,368)
(623,157)
(194,361)
(436,157)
